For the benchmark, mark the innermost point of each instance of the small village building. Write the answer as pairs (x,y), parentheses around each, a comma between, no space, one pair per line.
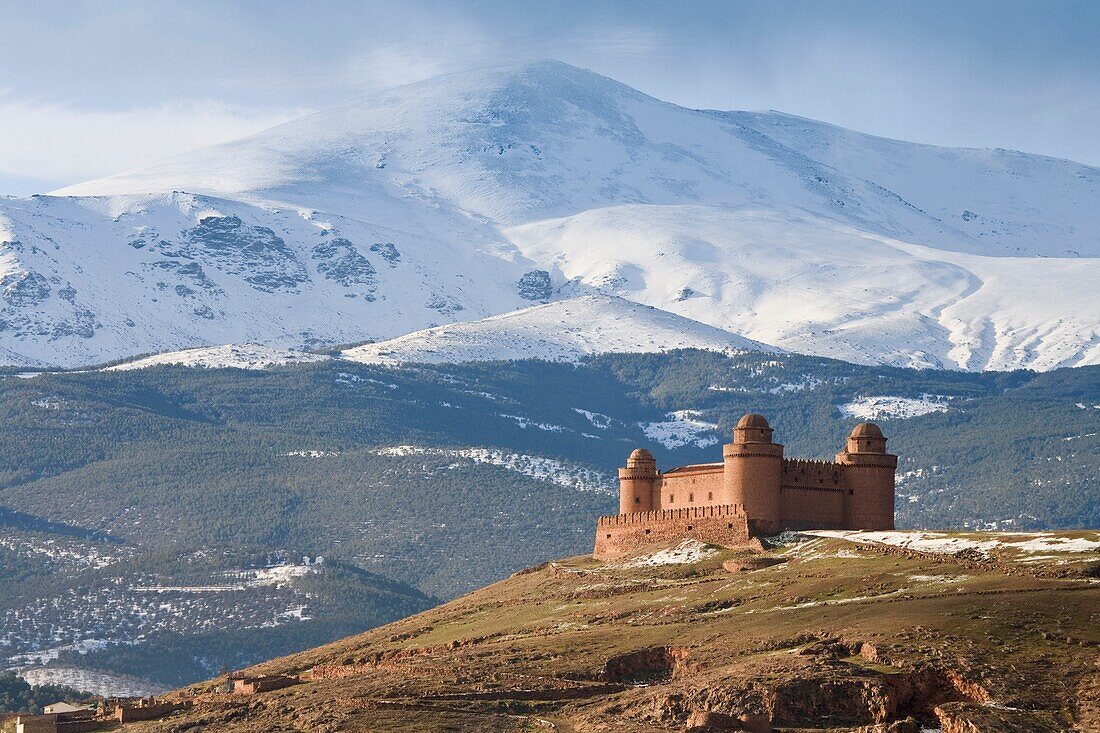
(262,683)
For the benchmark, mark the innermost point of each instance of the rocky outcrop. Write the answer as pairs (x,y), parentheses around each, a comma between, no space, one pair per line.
(535,285)
(748,564)
(960,717)
(253,253)
(645,665)
(387,251)
(340,261)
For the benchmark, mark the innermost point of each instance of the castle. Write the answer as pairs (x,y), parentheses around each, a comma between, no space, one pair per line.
(753,492)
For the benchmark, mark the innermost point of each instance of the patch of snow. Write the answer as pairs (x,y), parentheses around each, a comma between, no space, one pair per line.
(682,427)
(544,469)
(234,356)
(875,408)
(93,681)
(278,576)
(806,383)
(948,543)
(43,656)
(598,419)
(525,423)
(686,552)
(345,378)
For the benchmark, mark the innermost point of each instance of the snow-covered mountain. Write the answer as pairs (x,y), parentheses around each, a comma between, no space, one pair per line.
(475,194)
(566,330)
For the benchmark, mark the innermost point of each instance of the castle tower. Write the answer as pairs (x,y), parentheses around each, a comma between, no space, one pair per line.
(869,478)
(636,482)
(752,472)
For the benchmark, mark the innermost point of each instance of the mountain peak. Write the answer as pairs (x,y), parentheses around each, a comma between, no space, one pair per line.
(440,199)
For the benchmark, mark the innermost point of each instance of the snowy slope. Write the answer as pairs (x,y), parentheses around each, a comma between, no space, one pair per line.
(236,356)
(809,285)
(474,194)
(562,331)
(86,280)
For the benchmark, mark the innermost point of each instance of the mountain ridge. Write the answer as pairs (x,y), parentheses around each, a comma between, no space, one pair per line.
(441,198)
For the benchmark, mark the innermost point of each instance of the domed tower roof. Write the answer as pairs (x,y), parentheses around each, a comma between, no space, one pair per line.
(866,430)
(642,459)
(752,420)
(752,428)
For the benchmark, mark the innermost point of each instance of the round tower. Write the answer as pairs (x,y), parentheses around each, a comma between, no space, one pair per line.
(636,482)
(869,479)
(752,472)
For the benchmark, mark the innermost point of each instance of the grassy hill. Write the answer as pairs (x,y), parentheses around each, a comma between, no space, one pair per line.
(818,632)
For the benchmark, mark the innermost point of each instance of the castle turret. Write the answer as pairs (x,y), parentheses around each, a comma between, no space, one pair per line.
(752,472)
(636,482)
(869,478)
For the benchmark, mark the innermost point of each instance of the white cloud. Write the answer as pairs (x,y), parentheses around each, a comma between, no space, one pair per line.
(65,143)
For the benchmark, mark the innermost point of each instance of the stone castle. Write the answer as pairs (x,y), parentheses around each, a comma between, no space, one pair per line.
(753,492)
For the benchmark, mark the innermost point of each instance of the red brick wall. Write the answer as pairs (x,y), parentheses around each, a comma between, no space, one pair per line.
(869,478)
(812,507)
(619,534)
(752,477)
(690,488)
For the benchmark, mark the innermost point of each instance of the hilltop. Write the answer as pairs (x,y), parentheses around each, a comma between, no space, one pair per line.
(562,331)
(822,631)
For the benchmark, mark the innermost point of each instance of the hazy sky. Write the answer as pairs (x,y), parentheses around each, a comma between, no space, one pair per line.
(91,88)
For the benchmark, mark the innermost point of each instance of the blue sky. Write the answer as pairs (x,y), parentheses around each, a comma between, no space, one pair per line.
(90,88)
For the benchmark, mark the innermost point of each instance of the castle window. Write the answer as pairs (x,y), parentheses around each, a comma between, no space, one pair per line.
(729,526)
(637,500)
(691,497)
(648,531)
(671,498)
(851,492)
(690,527)
(609,537)
(710,495)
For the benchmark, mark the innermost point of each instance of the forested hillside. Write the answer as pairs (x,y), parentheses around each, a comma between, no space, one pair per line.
(130,490)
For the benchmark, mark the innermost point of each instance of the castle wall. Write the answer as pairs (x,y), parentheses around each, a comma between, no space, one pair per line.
(811,494)
(691,486)
(806,507)
(622,533)
(810,474)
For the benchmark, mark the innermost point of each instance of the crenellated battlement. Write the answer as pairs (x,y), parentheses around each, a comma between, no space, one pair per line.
(667,515)
(755,490)
(809,464)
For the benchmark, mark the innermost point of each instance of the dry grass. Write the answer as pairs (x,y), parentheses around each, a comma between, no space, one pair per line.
(784,640)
